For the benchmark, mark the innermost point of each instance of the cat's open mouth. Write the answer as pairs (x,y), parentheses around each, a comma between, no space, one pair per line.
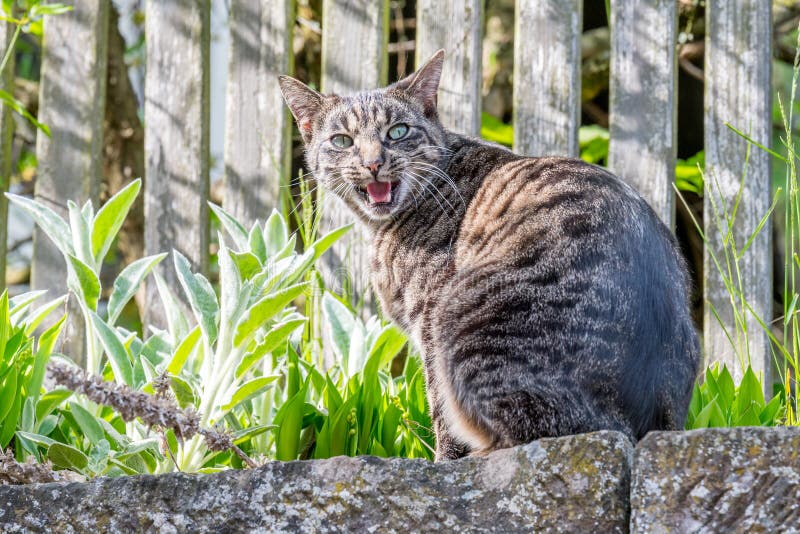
(378,193)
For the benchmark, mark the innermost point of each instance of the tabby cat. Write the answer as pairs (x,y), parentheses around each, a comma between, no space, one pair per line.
(546,296)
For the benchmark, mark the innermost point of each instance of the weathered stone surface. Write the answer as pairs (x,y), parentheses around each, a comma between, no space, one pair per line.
(717,480)
(572,484)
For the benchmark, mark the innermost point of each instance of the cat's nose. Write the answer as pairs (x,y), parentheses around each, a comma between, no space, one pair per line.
(374,166)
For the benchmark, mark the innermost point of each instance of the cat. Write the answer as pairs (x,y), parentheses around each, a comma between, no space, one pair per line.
(545,295)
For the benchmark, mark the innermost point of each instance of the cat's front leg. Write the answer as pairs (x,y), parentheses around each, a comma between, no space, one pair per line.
(447,446)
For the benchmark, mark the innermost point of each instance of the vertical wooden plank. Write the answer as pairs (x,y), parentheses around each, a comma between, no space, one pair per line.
(71,102)
(457,27)
(257,130)
(547,77)
(6,136)
(354,41)
(643,93)
(176,137)
(737,70)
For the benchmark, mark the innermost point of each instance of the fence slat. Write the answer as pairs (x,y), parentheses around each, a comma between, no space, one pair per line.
(6,137)
(72,103)
(257,133)
(643,92)
(455,26)
(547,77)
(176,137)
(737,70)
(354,41)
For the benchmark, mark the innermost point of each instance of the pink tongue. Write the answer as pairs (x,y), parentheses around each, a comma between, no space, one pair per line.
(379,192)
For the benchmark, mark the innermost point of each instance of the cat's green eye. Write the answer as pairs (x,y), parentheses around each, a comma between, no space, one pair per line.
(398,131)
(342,141)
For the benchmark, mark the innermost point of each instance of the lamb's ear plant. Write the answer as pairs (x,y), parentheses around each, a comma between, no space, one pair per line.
(236,377)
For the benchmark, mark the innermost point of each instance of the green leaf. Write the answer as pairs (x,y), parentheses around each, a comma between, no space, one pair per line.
(49,9)
(274,338)
(43,351)
(232,226)
(127,284)
(325,242)
(770,411)
(118,356)
(264,310)
(51,224)
(388,344)
(10,423)
(184,393)
(342,323)
(67,457)
(232,297)
(247,264)
(750,399)
(38,439)
(42,313)
(9,100)
(80,233)
(245,434)
(248,390)
(90,428)
(22,302)
(289,420)
(256,243)
(201,297)
(176,320)
(8,394)
(83,281)
(703,418)
(726,387)
(109,219)
(183,351)
(50,401)
(276,234)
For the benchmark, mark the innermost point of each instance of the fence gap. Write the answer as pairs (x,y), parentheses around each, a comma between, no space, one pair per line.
(70,161)
(737,71)
(6,138)
(456,26)
(642,102)
(547,77)
(354,57)
(176,121)
(257,132)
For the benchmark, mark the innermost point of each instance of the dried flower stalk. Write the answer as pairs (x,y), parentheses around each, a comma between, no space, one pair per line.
(12,472)
(157,411)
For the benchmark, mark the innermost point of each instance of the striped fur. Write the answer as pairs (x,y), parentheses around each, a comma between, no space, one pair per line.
(546,296)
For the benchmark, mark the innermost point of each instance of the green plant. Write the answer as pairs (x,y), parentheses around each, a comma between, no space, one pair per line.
(718,402)
(23,358)
(242,361)
(25,15)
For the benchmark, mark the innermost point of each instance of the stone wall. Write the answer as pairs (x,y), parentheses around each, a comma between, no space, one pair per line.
(725,480)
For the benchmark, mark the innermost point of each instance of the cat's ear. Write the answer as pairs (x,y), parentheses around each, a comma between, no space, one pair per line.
(304,102)
(423,85)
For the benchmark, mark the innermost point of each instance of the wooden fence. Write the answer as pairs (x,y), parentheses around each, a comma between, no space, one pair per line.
(355,33)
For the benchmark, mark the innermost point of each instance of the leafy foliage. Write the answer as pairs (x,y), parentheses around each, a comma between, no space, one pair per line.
(718,402)
(242,358)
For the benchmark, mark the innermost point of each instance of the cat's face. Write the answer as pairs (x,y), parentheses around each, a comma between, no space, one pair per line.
(377,150)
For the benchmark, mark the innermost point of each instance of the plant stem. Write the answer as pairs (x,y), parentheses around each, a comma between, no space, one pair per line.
(10,49)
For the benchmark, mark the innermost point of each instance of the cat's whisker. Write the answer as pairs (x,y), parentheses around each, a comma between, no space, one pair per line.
(433,191)
(443,175)
(422,176)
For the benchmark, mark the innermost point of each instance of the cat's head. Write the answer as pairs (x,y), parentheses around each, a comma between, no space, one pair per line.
(377,150)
